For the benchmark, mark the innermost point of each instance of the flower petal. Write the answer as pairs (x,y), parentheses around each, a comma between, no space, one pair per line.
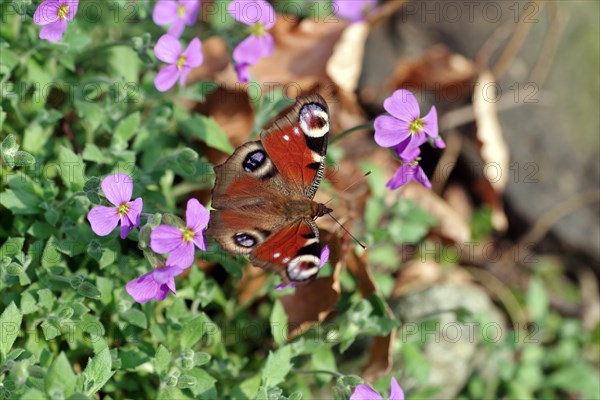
(177,28)
(117,188)
(183,74)
(167,49)
(162,275)
(253,48)
(46,13)
(103,219)
(403,105)
(251,12)
(396,392)
(324,256)
(171,285)
(193,54)
(389,131)
(196,215)
(166,78)
(191,10)
(144,288)
(365,392)
(405,153)
(200,241)
(54,31)
(353,10)
(126,226)
(182,256)
(73,5)
(401,177)
(439,142)
(430,123)
(135,209)
(165,239)
(242,72)
(165,12)
(421,177)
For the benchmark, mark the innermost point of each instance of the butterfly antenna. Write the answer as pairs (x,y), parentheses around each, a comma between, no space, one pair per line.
(347,231)
(348,187)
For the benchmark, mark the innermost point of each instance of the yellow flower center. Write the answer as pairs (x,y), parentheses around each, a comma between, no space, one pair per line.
(63,11)
(188,235)
(122,209)
(258,29)
(180,11)
(180,61)
(415,163)
(416,126)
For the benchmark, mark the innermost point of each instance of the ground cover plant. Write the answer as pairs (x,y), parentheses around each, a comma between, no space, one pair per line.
(112,117)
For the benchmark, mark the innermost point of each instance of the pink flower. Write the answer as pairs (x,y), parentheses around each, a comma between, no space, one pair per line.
(153,285)
(366,392)
(406,173)
(118,189)
(260,16)
(177,13)
(405,123)
(168,49)
(180,242)
(353,10)
(53,16)
(324,258)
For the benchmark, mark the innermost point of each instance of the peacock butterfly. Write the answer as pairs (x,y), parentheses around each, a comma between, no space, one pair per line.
(263,194)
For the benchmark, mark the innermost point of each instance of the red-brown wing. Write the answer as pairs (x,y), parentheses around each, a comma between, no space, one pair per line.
(297,144)
(293,252)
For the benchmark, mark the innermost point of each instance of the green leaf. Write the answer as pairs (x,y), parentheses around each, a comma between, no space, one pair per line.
(162,359)
(415,363)
(277,367)
(193,331)
(537,300)
(88,289)
(10,325)
(24,159)
(9,148)
(60,377)
(204,387)
(324,359)
(71,169)
(128,126)
(207,130)
(135,317)
(97,372)
(279,323)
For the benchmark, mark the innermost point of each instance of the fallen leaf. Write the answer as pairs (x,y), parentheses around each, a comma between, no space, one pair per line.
(417,275)
(345,65)
(450,223)
(253,280)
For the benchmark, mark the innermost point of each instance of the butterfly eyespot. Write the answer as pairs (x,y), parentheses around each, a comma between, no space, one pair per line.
(254,160)
(244,240)
(314,120)
(303,267)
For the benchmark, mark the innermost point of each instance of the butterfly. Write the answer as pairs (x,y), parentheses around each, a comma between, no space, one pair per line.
(263,194)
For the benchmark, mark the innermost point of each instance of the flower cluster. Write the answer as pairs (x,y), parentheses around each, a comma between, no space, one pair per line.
(52,16)
(405,131)
(179,242)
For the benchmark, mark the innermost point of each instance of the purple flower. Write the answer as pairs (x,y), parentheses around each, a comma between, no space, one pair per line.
(177,13)
(353,10)
(409,172)
(153,285)
(439,142)
(180,242)
(53,15)
(118,189)
(260,16)
(324,257)
(404,123)
(366,392)
(168,49)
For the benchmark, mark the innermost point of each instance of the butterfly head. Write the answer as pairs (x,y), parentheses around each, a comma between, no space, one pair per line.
(320,209)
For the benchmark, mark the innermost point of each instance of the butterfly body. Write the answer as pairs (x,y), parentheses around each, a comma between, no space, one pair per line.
(263,195)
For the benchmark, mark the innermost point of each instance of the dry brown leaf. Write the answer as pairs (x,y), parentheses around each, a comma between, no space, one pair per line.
(417,275)
(253,280)
(345,65)
(438,69)
(450,223)
(494,150)
(459,200)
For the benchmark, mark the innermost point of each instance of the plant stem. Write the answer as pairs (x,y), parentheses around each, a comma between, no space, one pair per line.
(316,371)
(349,131)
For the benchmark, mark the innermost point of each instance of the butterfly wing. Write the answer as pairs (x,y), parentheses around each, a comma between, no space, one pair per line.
(297,143)
(293,252)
